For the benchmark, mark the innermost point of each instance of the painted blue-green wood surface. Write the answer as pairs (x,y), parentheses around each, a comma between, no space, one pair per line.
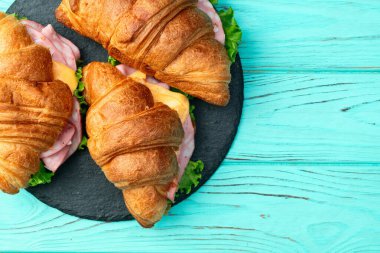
(304,172)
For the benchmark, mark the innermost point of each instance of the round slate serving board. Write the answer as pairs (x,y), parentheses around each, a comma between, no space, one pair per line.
(79,187)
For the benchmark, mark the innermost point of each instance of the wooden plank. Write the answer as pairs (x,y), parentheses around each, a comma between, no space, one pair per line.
(4,5)
(261,208)
(310,117)
(309,35)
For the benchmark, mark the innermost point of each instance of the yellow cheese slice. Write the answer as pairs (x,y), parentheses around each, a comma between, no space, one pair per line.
(65,74)
(138,76)
(174,100)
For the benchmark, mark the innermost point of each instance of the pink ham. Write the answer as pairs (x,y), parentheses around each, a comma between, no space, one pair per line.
(207,8)
(172,190)
(63,140)
(57,158)
(65,52)
(76,120)
(126,70)
(41,40)
(32,24)
(187,147)
(74,48)
(61,51)
(153,80)
(53,162)
(183,156)
(39,27)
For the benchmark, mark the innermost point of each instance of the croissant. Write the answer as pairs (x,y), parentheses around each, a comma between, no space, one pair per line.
(33,108)
(171,40)
(132,139)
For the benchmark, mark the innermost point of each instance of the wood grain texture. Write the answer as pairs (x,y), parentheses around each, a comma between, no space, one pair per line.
(304,172)
(310,118)
(247,208)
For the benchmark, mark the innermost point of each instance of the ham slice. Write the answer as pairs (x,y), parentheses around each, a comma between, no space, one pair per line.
(60,48)
(126,70)
(183,155)
(207,8)
(152,80)
(173,189)
(76,120)
(65,52)
(63,140)
(187,146)
(32,24)
(41,40)
(54,158)
(73,48)
(53,162)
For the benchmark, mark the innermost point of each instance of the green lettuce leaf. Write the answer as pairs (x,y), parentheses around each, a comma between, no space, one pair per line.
(232,31)
(18,16)
(78,93)
(113,61)
(191,177)
(189,97)
(83,143)
(192,115)
(43,176)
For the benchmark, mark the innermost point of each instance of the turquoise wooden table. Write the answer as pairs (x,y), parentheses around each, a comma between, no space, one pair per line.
(304,172)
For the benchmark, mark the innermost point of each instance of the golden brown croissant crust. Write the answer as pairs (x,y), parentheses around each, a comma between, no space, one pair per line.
(19,56)
(132,139)
(33,108)
(170,39)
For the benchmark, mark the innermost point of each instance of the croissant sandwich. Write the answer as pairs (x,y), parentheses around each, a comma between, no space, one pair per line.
(39,117)
(179,42)
(140,134)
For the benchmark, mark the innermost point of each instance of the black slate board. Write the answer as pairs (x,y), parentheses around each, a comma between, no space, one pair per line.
(79,188)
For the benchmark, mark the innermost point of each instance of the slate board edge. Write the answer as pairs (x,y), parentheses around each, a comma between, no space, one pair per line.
(240,98)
